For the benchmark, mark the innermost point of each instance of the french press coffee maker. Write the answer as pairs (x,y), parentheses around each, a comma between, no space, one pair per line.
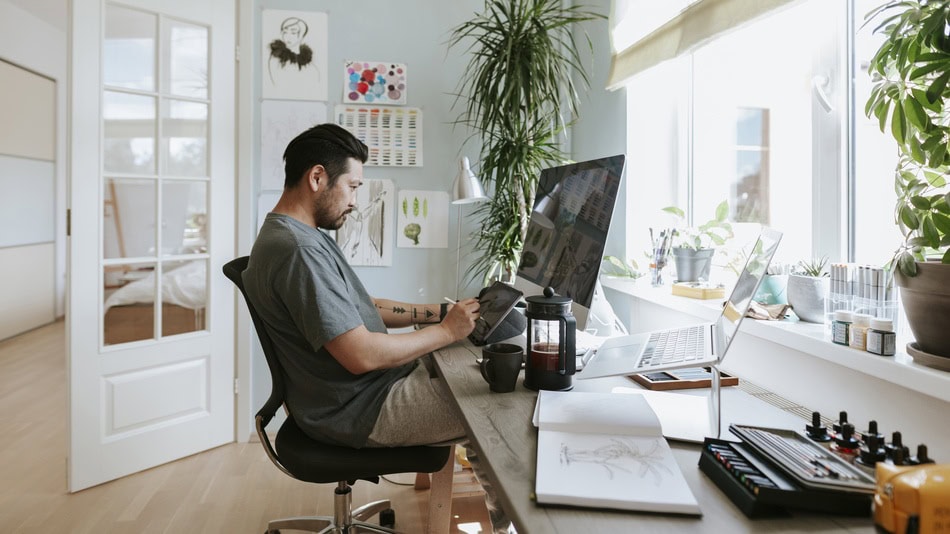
(551,360)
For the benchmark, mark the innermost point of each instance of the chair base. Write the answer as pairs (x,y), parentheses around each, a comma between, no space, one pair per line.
(344,521)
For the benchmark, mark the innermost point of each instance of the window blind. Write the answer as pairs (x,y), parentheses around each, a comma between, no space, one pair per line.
(647,32)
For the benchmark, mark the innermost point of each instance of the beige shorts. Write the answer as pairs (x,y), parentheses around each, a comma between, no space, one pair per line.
(418,411)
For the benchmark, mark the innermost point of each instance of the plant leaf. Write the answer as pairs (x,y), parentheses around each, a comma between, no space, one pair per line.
(907,264)
(942,222)
(920,202)
(915,113)
(930,232)
(898,124)
(935,91)
(908,217)
(675,211)
(722,211)
(946,257)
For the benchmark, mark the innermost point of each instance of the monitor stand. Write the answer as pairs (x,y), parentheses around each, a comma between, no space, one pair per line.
(715,402)
(601,320)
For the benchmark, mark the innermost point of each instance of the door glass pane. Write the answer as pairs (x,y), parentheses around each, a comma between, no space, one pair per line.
(129,133)
(186,72)
(128,225)
(184,294)
(185,138)
(184,217)
(129,292)
(128,51)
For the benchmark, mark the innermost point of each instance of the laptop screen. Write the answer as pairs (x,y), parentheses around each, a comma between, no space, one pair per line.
(741,298)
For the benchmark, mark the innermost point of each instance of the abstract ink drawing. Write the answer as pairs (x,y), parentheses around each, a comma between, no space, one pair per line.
(374,82)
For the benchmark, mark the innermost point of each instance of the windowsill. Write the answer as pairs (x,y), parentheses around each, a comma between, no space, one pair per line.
(807,338)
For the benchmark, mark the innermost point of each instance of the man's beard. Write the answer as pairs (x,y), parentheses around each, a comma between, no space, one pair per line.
(323,219)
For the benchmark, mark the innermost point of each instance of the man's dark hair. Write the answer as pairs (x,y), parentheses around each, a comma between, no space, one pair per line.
(324,144)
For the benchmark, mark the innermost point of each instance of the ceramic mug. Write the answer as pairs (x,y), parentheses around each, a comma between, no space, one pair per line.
(500,365)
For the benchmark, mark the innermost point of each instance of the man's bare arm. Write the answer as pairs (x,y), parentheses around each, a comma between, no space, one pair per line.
(360,350)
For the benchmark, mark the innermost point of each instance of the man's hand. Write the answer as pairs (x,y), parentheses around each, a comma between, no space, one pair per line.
(460,319)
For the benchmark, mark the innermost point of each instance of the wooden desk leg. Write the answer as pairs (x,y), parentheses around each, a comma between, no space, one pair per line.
(440,497)
(422,481)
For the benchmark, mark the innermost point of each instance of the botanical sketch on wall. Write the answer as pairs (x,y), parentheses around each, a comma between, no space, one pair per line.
(281,121)
(294,55)
(422,219)
(366,238)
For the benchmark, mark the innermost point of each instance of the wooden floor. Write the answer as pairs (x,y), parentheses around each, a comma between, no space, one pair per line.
(230,489)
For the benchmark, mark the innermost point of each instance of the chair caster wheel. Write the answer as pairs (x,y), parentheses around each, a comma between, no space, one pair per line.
(387,518)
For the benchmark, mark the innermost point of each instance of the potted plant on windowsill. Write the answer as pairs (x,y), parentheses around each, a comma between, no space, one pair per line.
(807,290)
(910,74)
(694,247)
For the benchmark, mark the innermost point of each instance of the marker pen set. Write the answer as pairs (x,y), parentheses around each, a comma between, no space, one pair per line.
(861,308)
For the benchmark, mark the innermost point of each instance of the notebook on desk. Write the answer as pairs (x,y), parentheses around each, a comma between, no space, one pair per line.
(692,346)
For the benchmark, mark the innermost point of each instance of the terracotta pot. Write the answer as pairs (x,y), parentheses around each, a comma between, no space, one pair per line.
(926,299)
(806,296)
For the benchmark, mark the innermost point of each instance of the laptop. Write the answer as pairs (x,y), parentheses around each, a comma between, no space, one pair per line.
(692,346)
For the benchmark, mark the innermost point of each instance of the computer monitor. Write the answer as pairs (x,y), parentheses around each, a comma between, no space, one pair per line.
(567,231)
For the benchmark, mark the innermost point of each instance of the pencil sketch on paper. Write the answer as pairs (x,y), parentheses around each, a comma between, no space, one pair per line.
(619,455)
(366,236)
(294,55)
(281,121)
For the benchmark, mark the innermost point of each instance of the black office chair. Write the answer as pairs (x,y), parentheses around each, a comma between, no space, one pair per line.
(311,461)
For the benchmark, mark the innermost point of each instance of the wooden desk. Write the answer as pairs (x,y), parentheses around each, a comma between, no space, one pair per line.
(499,427)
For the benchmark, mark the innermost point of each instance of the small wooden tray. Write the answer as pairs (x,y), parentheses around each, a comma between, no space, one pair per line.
(699,290)
(690,378)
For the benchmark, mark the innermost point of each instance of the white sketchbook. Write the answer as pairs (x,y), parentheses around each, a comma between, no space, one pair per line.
(606,450)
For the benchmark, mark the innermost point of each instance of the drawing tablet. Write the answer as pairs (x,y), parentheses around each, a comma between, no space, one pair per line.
(494,304)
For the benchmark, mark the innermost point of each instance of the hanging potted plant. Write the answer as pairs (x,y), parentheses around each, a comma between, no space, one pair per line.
(695,246)
(910,74)
(519,98)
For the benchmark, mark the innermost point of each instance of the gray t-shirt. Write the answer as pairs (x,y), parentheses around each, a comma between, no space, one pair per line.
(307,294)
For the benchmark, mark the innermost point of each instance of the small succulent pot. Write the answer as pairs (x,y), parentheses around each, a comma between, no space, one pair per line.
(806,296)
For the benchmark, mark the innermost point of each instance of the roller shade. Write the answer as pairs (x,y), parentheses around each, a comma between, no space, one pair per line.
(647,32)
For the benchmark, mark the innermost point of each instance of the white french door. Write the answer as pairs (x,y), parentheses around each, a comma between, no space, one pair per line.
(151,196)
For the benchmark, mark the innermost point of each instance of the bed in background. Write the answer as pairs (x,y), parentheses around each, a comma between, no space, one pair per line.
(129,309)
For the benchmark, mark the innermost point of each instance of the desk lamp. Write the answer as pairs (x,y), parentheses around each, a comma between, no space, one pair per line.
(466,190)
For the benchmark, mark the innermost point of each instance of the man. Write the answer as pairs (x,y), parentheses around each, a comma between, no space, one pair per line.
(349,381)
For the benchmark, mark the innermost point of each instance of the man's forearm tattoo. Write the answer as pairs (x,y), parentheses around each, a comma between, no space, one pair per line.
(417,314)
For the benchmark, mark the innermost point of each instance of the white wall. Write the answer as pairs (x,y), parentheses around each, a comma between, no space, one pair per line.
(38,46)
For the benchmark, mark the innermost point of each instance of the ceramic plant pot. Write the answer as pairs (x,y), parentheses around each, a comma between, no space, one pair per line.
(806,296)
(773,289)
(691,264)
(926,299)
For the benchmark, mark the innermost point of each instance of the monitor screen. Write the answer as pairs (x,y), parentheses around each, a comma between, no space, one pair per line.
(567,231)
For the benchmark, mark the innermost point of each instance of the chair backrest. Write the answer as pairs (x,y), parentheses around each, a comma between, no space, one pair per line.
(233,270)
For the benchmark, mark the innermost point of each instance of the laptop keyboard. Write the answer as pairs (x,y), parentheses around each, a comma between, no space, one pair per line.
(675,346)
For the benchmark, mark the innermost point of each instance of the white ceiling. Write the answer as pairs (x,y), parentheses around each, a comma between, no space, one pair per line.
(53,12)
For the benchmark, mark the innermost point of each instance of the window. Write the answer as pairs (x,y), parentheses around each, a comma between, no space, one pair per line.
(765,117)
